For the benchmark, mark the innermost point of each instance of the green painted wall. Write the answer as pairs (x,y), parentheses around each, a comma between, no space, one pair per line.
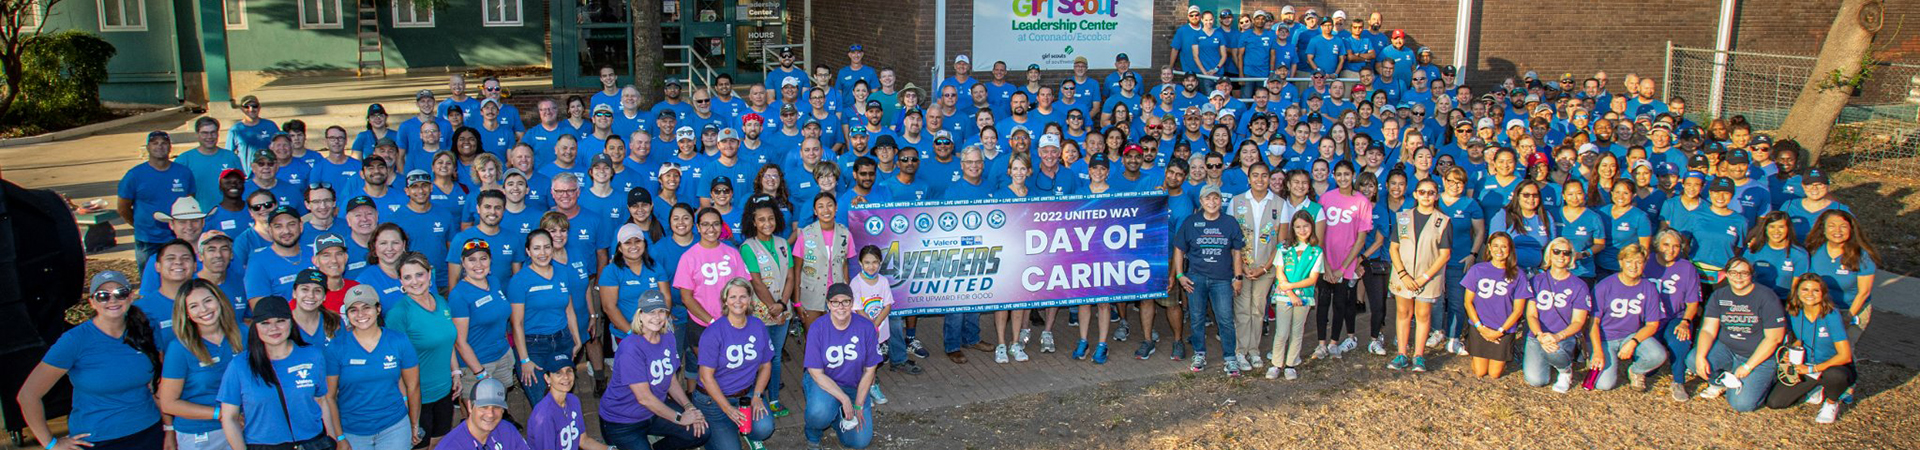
(274,41)
(143,68)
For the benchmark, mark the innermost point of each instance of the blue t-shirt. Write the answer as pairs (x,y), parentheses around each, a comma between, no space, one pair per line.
(245,139)
(545,300)
(1260,47)
(505,246)
(303,380)
(1842,283)
(1326,52)
(199,381)
(486,311)
(112,397)
(428,232)
(1460,214)
(1581,231)
(1819,335)
(1359,45)
(1529,239)
(268,273)
(369,380)
(1716,238)
(153,190)
(1803,218)
(629,285)
(1776,267)
(1621,232)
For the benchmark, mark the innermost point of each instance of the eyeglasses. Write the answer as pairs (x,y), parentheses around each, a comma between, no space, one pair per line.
(1529,195)
(1739,272)
(1426,192)
(116,294)
(706,224)
(909,159)
(702,101)
(840,302)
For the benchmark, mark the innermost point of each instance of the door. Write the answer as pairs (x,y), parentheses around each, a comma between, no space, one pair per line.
(708,29)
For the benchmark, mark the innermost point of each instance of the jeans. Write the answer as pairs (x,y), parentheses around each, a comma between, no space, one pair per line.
(823,413)
(635,435)
(143,251)
(1212,294)
(1753,387)
(216,440)
(776,335)
(959,330)
(543,348)
(1682,351)
(722,433)
(683,336)
(398,436)
(1537,360)
(1647,357)
(1289,330)
(897,343)
(1249,313)
(1452,316)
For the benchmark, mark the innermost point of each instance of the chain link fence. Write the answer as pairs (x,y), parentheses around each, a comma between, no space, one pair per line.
(1879,130)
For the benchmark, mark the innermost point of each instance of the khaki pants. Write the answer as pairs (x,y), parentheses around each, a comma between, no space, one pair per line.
(1289,329)
(1249,313)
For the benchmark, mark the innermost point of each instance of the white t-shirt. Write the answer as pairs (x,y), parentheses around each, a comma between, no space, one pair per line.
(869,299)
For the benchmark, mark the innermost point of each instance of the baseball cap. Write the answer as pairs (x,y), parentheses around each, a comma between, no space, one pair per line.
(282,209)
(1397,34)
(270,307)
(1485,122)
(1697,161)
(1120,57)
(475,245)
(725,134)
(310,276)
(1099,160)
(603,108)
(559,361)
(651,300)
(600,160)
(855,48)
(264,155)
(873,104)
(629,231)
(839,289)
(359,293)
(489,392)
(963,59)
(1193,9)
(210,235)
(1814,176)
(1287,9)
(423,93)
(1339,14)
(1048,140)
(107,276)
(1589,148)
(637,195)
(1721,184)
(328,240)
(419,176)
(684,133)
(1739,156)
(249,100)
(184,208)
(1209,190)
(376,109)
(361,200)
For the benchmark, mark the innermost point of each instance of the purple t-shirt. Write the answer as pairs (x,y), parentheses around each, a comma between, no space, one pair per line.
(639,361)
(843,354)
(734,354)
(1558,299)
(503,437)
(1494,293)
(1679,285)
(705,271)
(555,427)
(1624,309)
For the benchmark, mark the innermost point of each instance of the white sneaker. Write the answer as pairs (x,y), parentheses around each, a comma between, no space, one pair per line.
(1025,335)
(1251,362)
(1434,340)
(1377,348)
(1337,351)
(1320,351)
(1828,413)
(1818,395)
(1000,354)
(1046,342)
(1019,352)
(1459,347)
(1348,345)
(1273,373)
(1563,382)
(1712,391)
(1292,374)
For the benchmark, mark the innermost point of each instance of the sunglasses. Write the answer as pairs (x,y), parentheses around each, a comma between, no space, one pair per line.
(1215,165)
(703,101)
(475,244)
(1562,252)
(260,207)
(909,159)
(603,114)
(116,294)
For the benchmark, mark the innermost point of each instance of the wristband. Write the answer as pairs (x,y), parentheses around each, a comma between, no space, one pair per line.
(216,413)
(1476,324)
(53,443)
(167,428)
(526,360)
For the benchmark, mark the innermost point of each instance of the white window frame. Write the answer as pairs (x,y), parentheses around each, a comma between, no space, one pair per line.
(416,22)
(129,8)
(33,18)
(321,22)
(488,16)
(240,5)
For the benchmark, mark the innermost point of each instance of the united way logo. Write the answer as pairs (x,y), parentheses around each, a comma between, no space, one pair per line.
(898,224)
(875,226)
(996,219)
(923,222)
(949,221)
(971,220)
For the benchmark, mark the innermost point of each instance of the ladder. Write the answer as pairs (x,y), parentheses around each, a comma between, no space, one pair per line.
(370,48)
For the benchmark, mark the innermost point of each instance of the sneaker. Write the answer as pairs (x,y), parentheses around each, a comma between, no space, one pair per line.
(1019,352)
(1377,348)
(907,367)
(1026,334)
(1679,392)
(1120,332)
(1320,351)
(1459,347)
(1336,351)
(1000,354)
(878,398)
(1712,391)
(914,348)
(1828,413)
(1398,362)
(777,410)
(1073,320)
(1273,373)
(1179,351)
(1199,361)
(1637,381)
(814,446)
(1046,342)
(1240,361)
(756,445)
(1348,345)
(1818,395)
(1233,369)
(1292,374)
(1080,350)
(1100,353)
(1847,398)
(1146,349)
(1434,340)
(1563,382)
(1252,362)
(1419,363)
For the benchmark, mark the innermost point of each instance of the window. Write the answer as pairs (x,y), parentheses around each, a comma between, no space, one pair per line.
(31,19)
(319,14)
(236,11)
(407,14)
(501,13)
(123,15)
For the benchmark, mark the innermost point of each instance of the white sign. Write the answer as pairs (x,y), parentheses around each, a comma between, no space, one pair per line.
(1052,33)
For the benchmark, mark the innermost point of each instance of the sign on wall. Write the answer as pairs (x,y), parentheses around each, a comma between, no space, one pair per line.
(1052,32)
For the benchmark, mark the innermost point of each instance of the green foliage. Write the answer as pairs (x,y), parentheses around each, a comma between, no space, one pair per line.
(61,84)
(1852,83)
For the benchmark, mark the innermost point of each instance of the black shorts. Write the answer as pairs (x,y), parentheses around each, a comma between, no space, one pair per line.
(436,418)
(1497,350)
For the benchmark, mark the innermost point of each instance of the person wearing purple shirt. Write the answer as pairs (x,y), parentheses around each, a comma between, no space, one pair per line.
(1628,315)
(1495,294)
(557,423)
(1679,285)
(483,428)
(1557,316)
(842,353)
(634,407)
(734,367)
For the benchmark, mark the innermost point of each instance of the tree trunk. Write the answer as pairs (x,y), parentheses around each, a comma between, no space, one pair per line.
(1819,103)
(648,57)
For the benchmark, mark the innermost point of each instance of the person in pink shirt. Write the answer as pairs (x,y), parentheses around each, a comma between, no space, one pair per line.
(706,267)
(1345,216)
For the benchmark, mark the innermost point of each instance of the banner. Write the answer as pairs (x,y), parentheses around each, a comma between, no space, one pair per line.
(990,255)
(1052,32)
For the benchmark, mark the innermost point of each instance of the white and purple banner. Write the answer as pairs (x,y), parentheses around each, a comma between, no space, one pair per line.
(990,255)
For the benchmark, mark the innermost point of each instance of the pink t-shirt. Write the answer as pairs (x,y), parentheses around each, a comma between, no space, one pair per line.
(1346,217)
(706,271)
(800,242)
(869,299)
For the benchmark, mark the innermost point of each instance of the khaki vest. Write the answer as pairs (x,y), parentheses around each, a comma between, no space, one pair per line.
(823,263)
(1419,248)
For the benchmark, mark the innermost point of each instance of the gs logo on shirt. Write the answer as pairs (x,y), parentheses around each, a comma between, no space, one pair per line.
(1488,288)
(660,369)
(1551,300)
(1338,216)
(1622,307)
(841,354)
(712,272)
(738,354)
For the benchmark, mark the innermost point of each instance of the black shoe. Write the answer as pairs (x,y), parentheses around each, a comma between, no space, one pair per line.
(907,367)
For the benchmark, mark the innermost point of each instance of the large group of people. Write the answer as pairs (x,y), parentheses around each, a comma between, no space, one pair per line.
(387,288)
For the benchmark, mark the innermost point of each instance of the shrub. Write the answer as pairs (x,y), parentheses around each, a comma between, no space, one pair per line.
(61,84)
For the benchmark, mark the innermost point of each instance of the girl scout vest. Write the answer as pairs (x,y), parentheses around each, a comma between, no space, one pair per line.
(773,273)
(823,265)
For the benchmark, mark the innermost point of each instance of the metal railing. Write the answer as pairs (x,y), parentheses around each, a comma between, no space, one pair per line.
(698,72)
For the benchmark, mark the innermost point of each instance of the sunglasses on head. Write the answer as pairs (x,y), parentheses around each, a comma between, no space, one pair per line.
(115,294)
(473,244)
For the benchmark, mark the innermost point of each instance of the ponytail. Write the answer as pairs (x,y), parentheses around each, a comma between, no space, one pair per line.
(139,335)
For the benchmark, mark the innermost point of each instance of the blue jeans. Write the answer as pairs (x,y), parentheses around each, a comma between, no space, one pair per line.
(1216,295)
(1452,316)
(897,343)
(1753,388)
(823,412)
(959,330)
(1647,357)
(542,348)
(683,336)
(1682,351)
(634,435)
(143,251)
(722,434)
(398,436)
(776,335)
(1534,367)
